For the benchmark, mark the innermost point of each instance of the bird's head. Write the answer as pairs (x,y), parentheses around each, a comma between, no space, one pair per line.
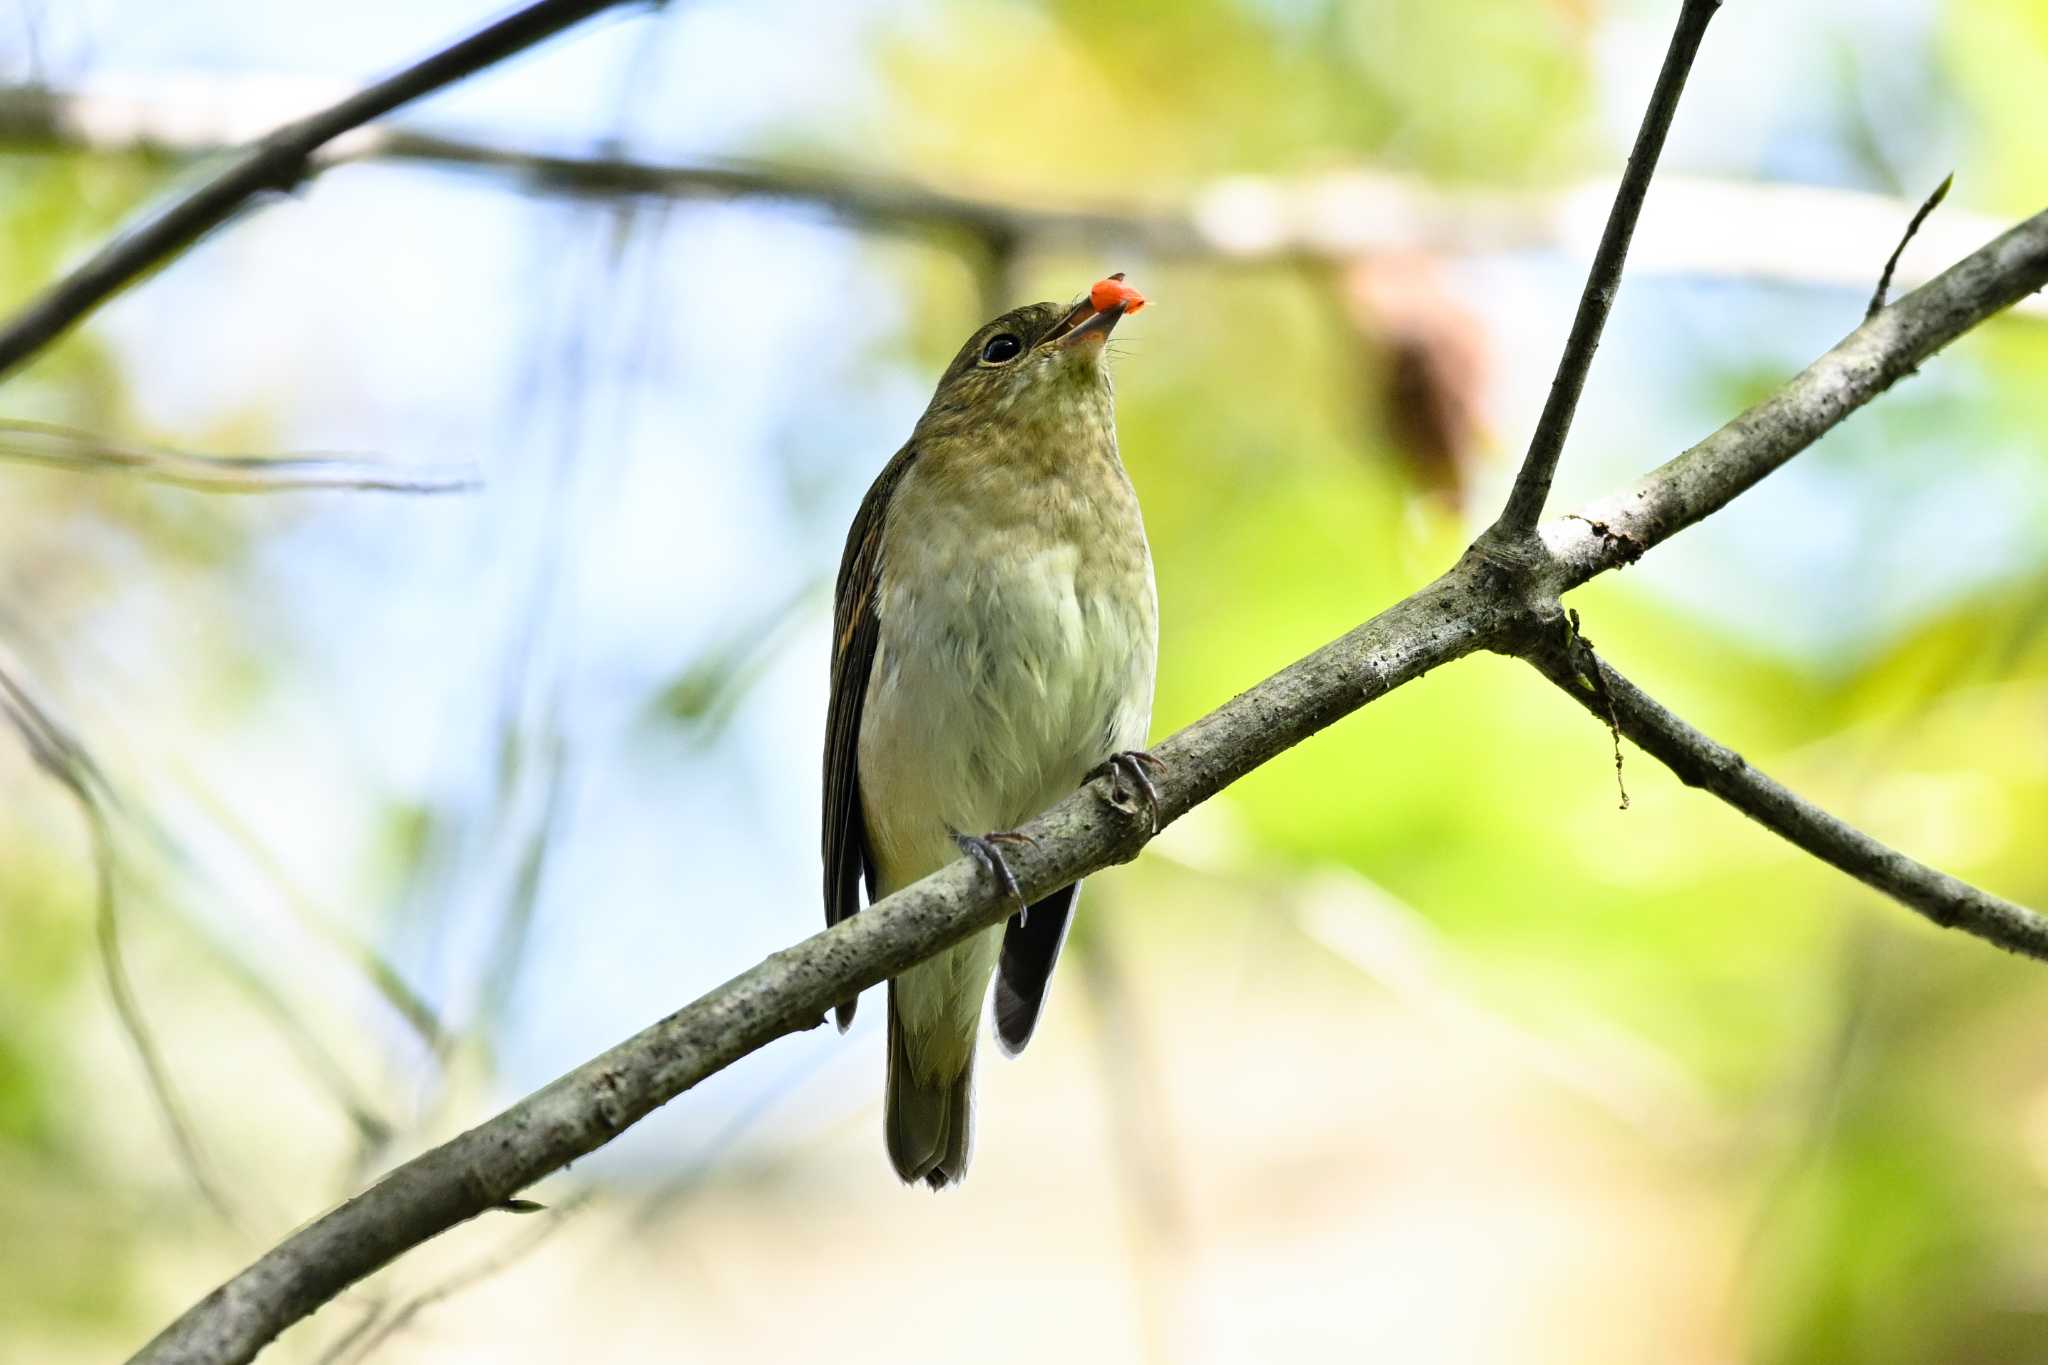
(1034,364)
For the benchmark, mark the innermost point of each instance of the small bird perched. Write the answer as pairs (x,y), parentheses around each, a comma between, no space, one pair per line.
(995,633)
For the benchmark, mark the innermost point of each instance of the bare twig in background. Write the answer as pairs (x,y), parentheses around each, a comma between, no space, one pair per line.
(706,694)
(61,447)
(134,831)
(277,163)
(1622,1075)
(532,740)
(506,958)
(702,1167)
(1480,603)
(1799,234)
(369,1314)
(1884,281)
(378,1326)
(67,763)
(373,1128)
(1539,466)
(134,1023)
(1814,1102)
(379,971)
(278,1003)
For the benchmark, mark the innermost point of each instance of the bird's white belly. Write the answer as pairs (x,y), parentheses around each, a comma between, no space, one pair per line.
(1010,660)
(995,690)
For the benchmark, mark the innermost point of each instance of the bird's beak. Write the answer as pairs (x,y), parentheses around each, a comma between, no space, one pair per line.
(1090,321)
(1094,327)
(1081,312)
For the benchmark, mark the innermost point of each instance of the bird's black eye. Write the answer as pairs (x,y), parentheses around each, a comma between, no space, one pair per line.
(1002,348)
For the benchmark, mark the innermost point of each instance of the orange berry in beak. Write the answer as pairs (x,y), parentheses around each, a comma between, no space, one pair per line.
(1107,294)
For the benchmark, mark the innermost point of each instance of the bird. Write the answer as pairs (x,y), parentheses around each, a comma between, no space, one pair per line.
(995,638)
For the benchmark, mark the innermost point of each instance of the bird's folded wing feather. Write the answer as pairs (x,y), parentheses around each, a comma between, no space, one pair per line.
(854,633)
(1031,949)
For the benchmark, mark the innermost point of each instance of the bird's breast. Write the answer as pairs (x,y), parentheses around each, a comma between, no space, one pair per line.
(1016,652)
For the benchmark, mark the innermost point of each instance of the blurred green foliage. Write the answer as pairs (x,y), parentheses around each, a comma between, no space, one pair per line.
(1888,1152)
(1090,98)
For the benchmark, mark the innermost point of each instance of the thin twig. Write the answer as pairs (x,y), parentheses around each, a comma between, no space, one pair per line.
(66,762)
(371,1315)
(134,1023)
(1588,665)
(133,830)
(1884,281)
(62,447)
(1701,762)
(379,971)
(1532,482)
(362,1342)
(1816,1106)
(1625,1076)
(277,163)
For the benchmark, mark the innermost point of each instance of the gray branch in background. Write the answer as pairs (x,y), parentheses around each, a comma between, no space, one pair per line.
(277,163)
(1800,234)
(1483,602)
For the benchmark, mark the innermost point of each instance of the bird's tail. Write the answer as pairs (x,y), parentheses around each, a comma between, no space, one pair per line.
(927,1119)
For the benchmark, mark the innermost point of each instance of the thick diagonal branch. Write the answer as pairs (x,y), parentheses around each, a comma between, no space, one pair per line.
(276,163)
(1532,481)
(1714,767)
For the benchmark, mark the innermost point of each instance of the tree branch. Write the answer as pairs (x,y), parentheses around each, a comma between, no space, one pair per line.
(1891,264)
(1617,529)
(278,163)
(1539,466)
(1701,762)
(1722,228)
(1483,602)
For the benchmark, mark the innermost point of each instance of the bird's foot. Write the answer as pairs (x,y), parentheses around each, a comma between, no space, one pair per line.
(987,849)
(1135,768)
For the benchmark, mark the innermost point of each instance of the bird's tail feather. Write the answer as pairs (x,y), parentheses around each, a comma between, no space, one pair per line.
(928,1120)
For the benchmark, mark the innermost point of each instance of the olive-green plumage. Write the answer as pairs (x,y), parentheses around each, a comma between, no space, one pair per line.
(996,630)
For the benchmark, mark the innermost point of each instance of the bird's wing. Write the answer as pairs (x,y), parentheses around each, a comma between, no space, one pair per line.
(1031,946)
(854,632)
